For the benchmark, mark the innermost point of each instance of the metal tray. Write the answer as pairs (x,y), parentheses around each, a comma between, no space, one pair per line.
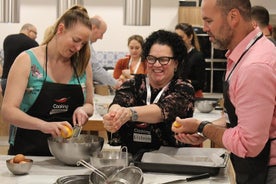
(170,161)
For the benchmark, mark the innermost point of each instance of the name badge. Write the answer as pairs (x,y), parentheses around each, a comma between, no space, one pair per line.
(141,138)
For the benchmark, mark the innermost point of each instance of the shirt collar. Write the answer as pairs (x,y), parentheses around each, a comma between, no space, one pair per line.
(235,54)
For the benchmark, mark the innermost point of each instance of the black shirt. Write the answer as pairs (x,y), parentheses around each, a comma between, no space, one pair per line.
(13,45)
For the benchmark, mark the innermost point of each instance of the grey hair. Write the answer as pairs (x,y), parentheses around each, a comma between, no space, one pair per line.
(96,20)
(26,26)
(244,7)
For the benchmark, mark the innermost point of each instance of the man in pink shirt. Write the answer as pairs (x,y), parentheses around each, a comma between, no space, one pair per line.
(249,93)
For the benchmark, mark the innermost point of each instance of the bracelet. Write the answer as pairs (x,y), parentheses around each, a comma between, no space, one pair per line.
(201,127)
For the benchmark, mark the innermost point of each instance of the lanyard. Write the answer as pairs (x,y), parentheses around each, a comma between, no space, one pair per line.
(149,92)
(250,44)
(137,65)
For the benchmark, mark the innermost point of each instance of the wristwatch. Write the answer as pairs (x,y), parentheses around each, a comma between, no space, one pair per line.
(201,127)
(134,114)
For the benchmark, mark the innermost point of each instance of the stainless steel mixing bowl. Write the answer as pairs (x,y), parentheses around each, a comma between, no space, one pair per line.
(205,106)
(69,151)
(19,168)
(109,158)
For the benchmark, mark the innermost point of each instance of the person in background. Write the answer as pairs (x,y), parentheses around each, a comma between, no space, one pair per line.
(196,63)
(100,75)
(54,88)
(13,45)
(126,67)
(249,93)
(145,106)
(260,17)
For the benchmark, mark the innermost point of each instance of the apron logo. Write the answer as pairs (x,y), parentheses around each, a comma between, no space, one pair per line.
(61,100)
(59,108)
(141,125)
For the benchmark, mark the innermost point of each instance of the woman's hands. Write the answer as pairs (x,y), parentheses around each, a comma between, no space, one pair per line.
(125,75)
(54,128)
(80,117)
(116,117)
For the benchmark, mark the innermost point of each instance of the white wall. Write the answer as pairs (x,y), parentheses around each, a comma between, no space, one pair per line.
(43,13)
(164,14)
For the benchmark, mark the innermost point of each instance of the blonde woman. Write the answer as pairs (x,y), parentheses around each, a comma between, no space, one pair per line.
(54,88)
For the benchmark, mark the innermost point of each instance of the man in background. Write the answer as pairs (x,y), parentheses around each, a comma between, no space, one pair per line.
(100,75)
(260,17)
(13,45)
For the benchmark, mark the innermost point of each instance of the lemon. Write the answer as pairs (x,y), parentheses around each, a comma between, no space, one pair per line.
(68,133)
(176,124)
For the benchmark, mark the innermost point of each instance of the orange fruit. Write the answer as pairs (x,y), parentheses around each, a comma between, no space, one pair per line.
(68,133)
(176,124)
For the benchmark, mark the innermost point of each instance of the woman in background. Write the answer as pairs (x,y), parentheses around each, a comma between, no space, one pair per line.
(132,64)
(195,68)
(54,88)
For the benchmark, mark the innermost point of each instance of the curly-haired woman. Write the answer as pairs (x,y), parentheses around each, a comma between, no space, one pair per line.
(145,107)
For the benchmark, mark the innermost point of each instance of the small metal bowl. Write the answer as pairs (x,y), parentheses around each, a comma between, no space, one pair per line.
(19,168)
(205,106)
(107,158)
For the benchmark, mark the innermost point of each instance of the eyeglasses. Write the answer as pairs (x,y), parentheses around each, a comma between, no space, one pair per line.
(162,60)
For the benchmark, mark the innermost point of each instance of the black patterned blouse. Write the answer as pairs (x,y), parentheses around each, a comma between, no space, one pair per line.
(176,100)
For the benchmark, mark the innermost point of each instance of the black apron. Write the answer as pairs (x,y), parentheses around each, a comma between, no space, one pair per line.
(55,102)
(140,137)
(249,170)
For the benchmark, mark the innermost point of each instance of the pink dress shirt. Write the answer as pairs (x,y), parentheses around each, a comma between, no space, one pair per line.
(253,93)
